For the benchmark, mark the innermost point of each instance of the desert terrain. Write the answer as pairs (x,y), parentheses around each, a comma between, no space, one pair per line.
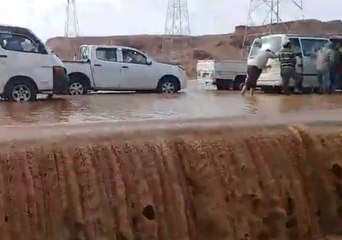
(223,46)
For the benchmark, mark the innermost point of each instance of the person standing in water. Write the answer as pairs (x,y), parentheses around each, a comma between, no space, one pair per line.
(255,67)
(334,66)
(323,63)
(288,63)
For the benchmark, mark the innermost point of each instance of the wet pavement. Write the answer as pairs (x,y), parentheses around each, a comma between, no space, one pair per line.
(196,102)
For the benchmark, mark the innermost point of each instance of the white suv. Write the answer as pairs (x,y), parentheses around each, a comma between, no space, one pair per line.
(28,67)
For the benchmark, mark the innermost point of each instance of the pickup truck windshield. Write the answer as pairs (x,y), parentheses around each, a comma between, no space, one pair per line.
(273,43)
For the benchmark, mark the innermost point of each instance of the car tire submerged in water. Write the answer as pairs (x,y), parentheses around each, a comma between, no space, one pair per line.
(21,90)
(77,86)
(168,85)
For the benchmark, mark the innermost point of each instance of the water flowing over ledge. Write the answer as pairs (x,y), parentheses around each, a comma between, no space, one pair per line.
(215,182)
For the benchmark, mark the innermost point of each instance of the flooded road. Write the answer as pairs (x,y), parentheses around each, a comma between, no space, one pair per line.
(196,102)
(177,179)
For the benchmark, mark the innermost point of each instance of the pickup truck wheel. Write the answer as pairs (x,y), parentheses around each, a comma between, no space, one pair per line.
(168,85)
(77,87)
(238,83)
(21,91)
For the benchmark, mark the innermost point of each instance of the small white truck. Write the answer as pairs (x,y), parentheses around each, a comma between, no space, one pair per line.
(225,74)
(118,68)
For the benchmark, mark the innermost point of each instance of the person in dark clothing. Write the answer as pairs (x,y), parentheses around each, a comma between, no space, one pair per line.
(255,66)
(288,62)
(334,67)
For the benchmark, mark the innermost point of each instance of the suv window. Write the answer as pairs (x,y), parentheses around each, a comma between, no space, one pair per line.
(106,54)
(131,56)
(19,43)
(311,46)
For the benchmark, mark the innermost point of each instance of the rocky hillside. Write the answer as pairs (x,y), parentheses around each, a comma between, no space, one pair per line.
(224,46)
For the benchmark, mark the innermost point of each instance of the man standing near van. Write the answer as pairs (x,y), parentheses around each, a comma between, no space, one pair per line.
(323,64)
(255,67)
(334,66)
(288,63)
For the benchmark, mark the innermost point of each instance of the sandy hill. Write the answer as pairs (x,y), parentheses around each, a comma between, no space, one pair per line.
(223,46)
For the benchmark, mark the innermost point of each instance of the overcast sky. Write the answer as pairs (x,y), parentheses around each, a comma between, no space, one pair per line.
(120,17)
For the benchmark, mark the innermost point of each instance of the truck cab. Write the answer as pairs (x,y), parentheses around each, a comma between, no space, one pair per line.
(28,67)
(119,68)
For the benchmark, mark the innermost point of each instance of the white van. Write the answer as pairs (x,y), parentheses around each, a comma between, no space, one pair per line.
(28,67)
(304,47)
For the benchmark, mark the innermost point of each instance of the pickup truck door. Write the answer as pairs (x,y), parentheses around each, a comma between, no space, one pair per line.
(106,69)
(136,74)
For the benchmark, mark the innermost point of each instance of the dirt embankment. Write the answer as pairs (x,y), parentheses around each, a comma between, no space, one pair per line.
(190,183)
(225,46)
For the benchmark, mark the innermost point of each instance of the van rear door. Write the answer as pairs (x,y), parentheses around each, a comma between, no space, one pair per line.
(338,42)
(310,47)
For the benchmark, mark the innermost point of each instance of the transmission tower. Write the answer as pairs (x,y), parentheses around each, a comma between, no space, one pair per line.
(177,30)
(71,29)
(71,22)
(267,13)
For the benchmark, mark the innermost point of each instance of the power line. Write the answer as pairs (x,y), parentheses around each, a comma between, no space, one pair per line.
(177,18)
(266,13)
(71,22)
(71,29)
(177,30)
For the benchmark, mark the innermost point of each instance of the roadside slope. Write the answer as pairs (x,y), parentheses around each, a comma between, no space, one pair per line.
(225,46)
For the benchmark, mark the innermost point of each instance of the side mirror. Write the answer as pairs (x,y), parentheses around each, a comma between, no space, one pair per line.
(149,62)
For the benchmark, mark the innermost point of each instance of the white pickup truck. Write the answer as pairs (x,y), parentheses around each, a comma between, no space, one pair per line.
(225,74)
(117,68)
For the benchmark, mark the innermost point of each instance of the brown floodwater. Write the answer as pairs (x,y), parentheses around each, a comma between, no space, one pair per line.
(193,179)
(195,103)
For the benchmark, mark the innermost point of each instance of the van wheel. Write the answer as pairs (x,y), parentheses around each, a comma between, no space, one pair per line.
(168,85)
(77,86)
(21,91)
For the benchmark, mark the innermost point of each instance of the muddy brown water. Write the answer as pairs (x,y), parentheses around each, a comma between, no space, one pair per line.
(189,182)
(238,171)
(195,103)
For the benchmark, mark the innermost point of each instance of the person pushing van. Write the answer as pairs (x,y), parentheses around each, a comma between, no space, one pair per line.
(288,63)
(324,62)
(255,67)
